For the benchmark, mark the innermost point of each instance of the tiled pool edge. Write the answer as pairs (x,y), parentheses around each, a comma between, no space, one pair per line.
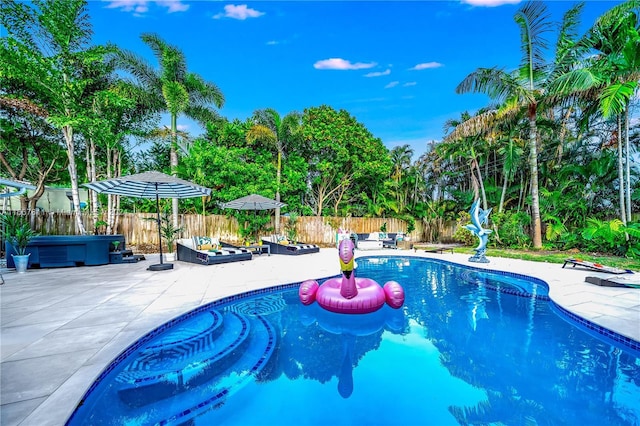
(604,333)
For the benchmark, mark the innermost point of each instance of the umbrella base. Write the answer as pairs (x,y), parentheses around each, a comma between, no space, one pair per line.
(160,267)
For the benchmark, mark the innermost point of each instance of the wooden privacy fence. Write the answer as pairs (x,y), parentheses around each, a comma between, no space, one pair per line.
(141,228)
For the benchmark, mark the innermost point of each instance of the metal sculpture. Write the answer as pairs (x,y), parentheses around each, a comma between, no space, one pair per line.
(479,217)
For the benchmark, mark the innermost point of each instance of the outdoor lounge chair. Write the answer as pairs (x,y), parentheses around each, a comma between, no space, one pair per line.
(280,246)
(195,250)
(441,249)
(595,266)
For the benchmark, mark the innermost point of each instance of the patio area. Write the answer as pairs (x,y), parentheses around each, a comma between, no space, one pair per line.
(61,327)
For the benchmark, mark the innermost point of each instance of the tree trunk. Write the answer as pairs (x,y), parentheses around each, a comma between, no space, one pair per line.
(277,230)
(173,156)
(504,191)
(92,176)
(623,211)
(481,184)
(628,155)
(533,164)
(67,131)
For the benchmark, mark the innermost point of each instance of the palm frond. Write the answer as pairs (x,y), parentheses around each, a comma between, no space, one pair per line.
(615,97)
(171,59)
(201,113)
(533,19)
(260,132)
(568,47)
(493,81)
(475,126)
(269,118)
(201,91)
(613,15)
(572,82)
(139,68)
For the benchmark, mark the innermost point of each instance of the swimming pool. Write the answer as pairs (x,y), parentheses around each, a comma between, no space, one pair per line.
(468,347)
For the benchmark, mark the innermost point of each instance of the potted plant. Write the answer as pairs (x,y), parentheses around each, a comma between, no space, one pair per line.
(170,233)
(18,233)
(290,227)
(115,256)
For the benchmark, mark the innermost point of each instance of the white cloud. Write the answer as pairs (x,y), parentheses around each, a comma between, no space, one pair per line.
(378,73)
(183,127)
(272,42)
(142,6)
(341,64)
(409,84)
(489,3)
(392,84)
(426,65)
(240,12)
(173,5)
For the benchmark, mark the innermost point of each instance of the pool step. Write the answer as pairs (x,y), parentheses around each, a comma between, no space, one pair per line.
(163,370)
(253,363)
(177,396)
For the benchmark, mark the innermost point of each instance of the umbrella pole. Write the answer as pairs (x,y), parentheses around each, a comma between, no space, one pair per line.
(159,222)
(161,266)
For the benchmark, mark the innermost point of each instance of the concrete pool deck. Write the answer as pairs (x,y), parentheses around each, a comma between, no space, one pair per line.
(61,327)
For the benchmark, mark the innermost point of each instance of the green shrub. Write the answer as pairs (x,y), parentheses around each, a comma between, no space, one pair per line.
(509,229)
(462,234)
(610,237)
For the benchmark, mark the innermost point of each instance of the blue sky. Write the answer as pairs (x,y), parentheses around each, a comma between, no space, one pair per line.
(393,65)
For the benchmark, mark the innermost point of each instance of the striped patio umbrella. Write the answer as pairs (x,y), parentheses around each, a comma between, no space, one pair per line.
(150,185)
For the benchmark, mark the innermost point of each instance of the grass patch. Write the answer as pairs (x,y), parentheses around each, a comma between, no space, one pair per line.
(557,257)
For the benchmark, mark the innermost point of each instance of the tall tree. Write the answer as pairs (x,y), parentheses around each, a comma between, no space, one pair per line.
(47,50)
(277,131)
(401,159)
(468,147)
(342,155)
(609,78)
(617,36)
(524,88)
(173,89)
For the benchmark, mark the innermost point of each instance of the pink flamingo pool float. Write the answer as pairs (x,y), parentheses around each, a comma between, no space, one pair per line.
(348,294)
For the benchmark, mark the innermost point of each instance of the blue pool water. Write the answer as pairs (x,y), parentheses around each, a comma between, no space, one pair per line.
(468,347)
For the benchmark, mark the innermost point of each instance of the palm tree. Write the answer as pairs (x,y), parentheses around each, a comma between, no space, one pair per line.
(525,88)
(617,37)
(401,159)
(268,126)
(468,147)
(173,89)
(609,78)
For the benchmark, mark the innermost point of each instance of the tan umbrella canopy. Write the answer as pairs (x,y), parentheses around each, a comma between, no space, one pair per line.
(150,185)
(252,202)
